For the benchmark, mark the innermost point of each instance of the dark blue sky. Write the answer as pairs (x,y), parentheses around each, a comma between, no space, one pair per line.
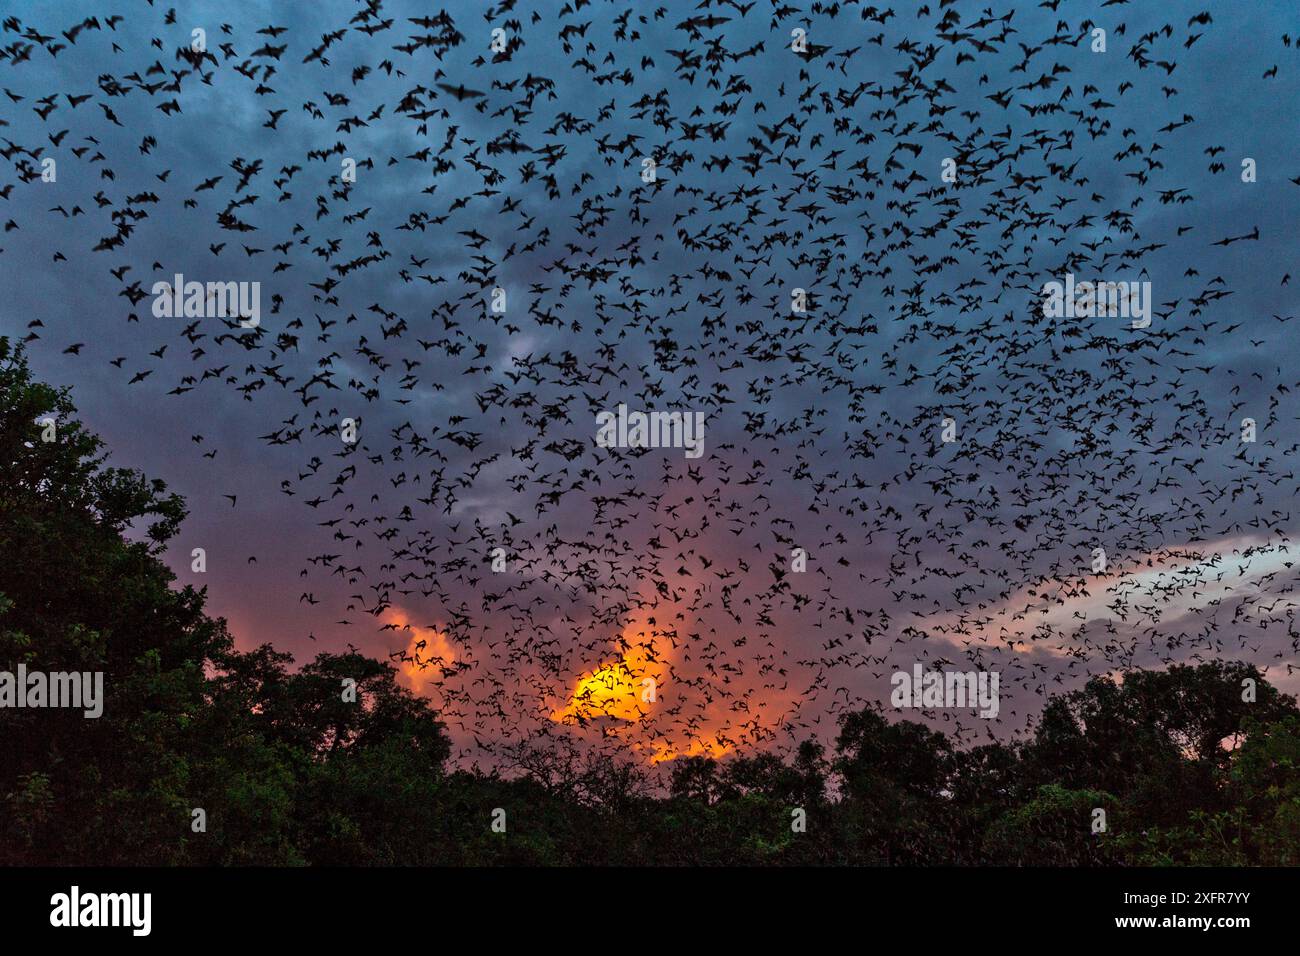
(775,173)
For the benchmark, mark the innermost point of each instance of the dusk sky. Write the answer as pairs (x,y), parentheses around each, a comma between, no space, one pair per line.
(824,430)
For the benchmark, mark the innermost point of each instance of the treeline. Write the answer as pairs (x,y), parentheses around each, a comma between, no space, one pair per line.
(1185,767)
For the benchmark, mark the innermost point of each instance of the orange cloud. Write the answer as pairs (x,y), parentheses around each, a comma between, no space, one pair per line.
(698,748)
(428,651)
(626,689)
(609,691)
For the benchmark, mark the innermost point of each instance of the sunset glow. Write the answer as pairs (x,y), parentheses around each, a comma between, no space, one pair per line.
(426,655)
